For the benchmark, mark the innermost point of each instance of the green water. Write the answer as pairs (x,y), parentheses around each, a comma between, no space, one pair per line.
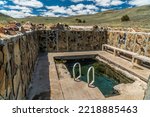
(104,83)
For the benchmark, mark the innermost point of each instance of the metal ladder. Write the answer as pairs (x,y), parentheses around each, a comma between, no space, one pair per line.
(90,84)
(74,66)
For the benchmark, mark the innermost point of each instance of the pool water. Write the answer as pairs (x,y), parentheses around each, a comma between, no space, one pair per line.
(103,82)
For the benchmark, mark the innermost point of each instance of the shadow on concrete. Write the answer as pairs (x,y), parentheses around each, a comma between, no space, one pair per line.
(39,88)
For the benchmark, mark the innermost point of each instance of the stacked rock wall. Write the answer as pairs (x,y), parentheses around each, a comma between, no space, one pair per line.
(17,58)
(132,41)
(62,40)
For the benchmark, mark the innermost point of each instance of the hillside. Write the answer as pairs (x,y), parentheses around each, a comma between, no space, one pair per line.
(5,18)
(139,16)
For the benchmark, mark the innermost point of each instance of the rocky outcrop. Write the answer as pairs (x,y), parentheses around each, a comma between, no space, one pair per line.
(17,57)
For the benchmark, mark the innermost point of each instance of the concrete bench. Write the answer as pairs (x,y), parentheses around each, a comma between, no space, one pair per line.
(139,58)
(135,58)
(115,50)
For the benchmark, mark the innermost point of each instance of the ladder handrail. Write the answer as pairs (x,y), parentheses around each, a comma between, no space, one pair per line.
(74,66)
(88,76)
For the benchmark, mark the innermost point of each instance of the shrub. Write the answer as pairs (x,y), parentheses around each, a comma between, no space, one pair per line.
(83,21)
(80,21)
(125,18)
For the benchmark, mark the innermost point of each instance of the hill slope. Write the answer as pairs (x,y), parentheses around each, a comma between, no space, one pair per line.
(5,18)
(140,17)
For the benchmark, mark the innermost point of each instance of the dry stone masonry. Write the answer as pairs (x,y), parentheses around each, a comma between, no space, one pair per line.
(17,58)
(132,41)
(70,40)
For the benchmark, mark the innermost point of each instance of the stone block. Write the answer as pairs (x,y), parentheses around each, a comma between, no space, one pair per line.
(17,54)
(20,95)
(16,81)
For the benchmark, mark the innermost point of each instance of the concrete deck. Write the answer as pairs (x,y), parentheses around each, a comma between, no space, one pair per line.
(63,87)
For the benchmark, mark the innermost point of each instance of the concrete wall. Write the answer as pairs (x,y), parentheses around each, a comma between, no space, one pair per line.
(17,58)
(132,41)
(53,41)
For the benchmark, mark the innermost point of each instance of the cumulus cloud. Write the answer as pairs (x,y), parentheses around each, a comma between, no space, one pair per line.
(56,9)
(2,2)
(78,9)
(104,9)
(49,14)
(139,2)
(16,14)
(17,7)
(29,3)
(107,3)
(102,2)
(116,2)
(82,6)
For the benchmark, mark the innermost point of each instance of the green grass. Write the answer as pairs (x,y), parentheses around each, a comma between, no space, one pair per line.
(139,16)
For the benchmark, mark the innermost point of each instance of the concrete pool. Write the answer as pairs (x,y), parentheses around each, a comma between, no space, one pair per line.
(105,77)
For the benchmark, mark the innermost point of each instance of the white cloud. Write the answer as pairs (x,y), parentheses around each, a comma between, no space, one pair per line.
(102,2)
(56,9)
(116,2)
(17,7)
(2,2)
(49,14)
(29,3)
(85,11)
(104,9)
(16,14)
(82,6)
(81,9)
(139,2)
(78,9)
(107,3)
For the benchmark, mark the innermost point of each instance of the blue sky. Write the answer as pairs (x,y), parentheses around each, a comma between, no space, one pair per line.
(63,8)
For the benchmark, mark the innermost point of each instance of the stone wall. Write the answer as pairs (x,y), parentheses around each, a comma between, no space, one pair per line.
(17,58)
(62,40)
(132,41)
